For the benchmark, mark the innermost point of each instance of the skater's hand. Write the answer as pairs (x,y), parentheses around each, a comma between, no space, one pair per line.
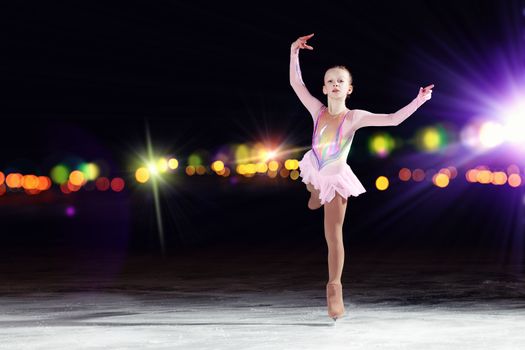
(300,43)
(425,94)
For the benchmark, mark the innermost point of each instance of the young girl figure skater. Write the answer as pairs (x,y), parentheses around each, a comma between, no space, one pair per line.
(324,169)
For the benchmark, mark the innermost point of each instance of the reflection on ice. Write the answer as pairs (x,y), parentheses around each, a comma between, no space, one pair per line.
(269,305)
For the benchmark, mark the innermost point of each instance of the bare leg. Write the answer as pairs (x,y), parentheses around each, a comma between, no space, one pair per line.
(314,202)
(333,225)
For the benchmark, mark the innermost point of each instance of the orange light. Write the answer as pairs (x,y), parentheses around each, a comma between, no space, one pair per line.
(2,178)
(77,178)
(484,176)
(472,175)
(44,183)
(190,170)
(2,189)
(500,178)
(284,172)
(14,180)
(514,180)
(30,182)
(142,175)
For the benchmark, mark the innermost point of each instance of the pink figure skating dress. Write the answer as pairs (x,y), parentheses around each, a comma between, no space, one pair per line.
(324,166)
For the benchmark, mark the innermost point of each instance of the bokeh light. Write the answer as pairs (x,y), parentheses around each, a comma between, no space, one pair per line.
(29,182)
(173,163)
(382,183)
(14,180)
(142,175)
(117,184)
(405,174)
(102,183)
(514,180)
(190,170)
(217,166)
(90,171)
(77,178)
(162,165)
(418,175)
(70,211)
(273,165)
(440,180)
(380,144)
(60,174)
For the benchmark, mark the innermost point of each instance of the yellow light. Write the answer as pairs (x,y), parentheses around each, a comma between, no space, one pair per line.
(441,180)
(261,168)
(241,169)
(142,175)
(242,153)
(162,165)
(484,176)
(218,165)
(173,163)
(431,139)
(294,175)
(250,168)
(76,178)
(500,178)
(273,165)
(288,164)
(382,183)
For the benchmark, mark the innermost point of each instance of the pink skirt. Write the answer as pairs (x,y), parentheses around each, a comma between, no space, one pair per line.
(327,181)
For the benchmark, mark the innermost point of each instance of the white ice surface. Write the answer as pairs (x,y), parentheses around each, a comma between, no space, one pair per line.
(284,320)
(273,303)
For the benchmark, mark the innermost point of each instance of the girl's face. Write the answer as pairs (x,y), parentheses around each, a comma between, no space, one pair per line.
(337,83)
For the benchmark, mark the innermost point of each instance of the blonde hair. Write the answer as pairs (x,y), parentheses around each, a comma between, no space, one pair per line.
(343,68)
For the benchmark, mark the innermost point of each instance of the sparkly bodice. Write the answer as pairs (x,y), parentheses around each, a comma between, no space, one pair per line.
(329,143)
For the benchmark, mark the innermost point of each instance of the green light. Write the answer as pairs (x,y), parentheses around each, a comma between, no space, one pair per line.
(59,174)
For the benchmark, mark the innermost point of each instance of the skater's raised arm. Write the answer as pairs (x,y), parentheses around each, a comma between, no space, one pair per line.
(364,118)
(311,103)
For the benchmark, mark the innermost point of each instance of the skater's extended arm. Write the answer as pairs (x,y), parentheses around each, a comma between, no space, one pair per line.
(311,103)
(363,118)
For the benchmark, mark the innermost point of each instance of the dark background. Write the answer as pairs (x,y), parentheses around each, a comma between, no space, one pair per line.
(84,79)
